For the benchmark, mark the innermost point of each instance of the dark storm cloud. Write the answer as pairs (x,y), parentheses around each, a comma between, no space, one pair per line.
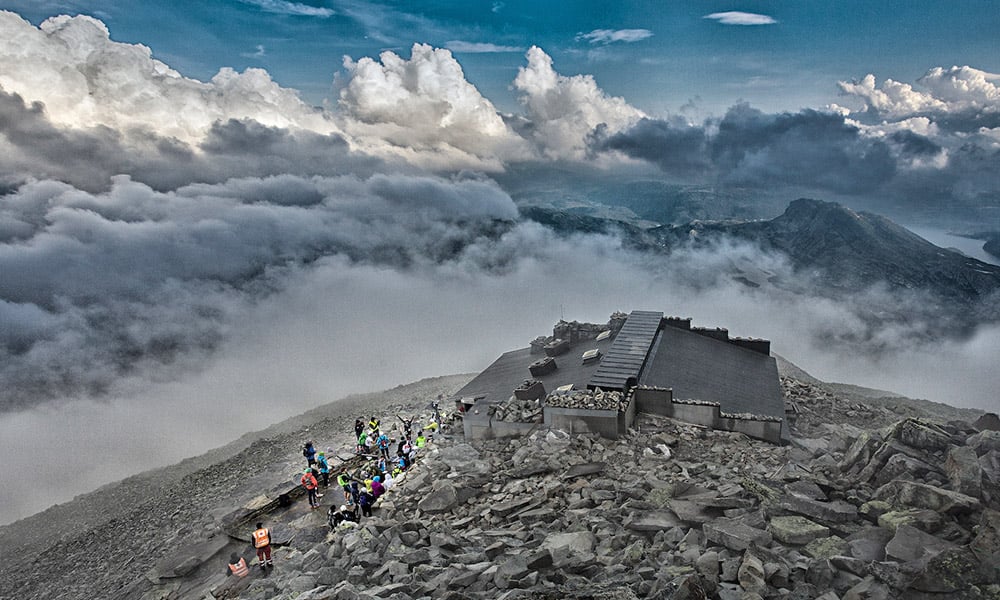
(750,148)
(808,148)
(913,144)
(676,148)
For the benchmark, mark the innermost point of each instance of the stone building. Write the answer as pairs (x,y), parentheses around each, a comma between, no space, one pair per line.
(597,377)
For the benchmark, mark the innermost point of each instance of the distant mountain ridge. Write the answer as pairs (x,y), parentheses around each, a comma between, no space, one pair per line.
(852,250)
(835,252)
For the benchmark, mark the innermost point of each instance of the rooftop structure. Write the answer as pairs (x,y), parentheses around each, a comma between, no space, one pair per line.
(587,377)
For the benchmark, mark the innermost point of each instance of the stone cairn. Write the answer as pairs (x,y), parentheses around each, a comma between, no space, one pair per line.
(588,399)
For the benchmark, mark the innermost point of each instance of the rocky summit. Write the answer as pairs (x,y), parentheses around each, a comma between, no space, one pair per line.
(871,500)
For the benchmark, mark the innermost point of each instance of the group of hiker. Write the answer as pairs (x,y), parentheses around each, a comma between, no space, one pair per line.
(362,488)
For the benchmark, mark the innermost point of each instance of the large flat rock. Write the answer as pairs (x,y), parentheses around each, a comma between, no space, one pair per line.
(797,530)
(734,534)
(830,512)
(922,495)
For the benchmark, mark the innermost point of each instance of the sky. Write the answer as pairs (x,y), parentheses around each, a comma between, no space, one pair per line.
(215,215)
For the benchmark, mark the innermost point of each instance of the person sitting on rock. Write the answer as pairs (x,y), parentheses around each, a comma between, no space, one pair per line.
(421,440)
(237,566)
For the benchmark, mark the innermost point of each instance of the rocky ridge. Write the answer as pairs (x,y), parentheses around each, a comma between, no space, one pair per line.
(869,501)
(908,509)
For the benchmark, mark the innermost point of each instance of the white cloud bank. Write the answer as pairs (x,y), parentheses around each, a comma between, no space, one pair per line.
(419,110)
(949,90)
(84,79)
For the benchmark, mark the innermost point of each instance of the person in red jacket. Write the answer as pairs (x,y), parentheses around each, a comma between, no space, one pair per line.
(309,482)
(262,544)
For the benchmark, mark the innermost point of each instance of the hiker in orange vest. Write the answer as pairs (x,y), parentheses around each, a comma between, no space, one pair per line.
(309,482)
(262,543)
(237,566)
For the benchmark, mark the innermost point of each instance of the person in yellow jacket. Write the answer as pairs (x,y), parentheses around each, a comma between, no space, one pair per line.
(262,544)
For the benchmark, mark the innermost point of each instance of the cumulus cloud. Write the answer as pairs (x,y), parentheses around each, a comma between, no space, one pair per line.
(479,47)
(425,103)
(84,79)
(563,111)
(735,17)
(948,90)
(610,36)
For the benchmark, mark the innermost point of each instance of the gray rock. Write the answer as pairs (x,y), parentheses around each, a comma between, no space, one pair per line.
(442,497)
(829,512)
(986,544)
(867,589)
(849,564)
(805,489)
(910,544)
(920,495)
(708,566)
(984,442)
(951,570)
(735,535)
(963,471)
(730,569)
(921,518)
(576,542)
(301,583)
(869,544)
(826,547)
(751,574)
(796,530)
(654,521)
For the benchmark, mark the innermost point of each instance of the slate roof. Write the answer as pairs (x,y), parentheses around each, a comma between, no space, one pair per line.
(697,367)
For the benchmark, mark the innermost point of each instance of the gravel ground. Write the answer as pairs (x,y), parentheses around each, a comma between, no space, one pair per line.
(100,544)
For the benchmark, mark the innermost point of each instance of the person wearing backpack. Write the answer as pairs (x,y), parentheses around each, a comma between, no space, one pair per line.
(309,452)
(309,482)
(324,468)
(365,501)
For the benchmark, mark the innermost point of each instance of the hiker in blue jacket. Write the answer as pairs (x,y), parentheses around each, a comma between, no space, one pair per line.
(324,468)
